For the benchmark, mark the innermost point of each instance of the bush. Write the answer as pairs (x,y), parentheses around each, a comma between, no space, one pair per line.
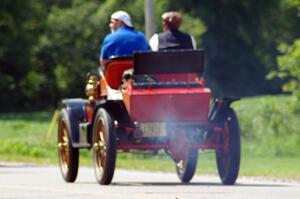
(268,125)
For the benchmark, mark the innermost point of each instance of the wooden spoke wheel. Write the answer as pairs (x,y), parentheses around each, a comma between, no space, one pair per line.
(186,168)
(68,156)
(228,156)
(104,147)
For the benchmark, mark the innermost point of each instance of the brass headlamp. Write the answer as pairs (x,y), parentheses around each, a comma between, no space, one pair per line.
(91,87)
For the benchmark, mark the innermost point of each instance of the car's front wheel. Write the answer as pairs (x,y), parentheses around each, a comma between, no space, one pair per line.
(67,155)
(104,147)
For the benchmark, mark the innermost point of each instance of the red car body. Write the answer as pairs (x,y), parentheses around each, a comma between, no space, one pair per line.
(153,101)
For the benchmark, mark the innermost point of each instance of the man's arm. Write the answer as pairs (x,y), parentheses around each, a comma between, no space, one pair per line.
(103,56)
(193,42)
(103,62)
(154,42)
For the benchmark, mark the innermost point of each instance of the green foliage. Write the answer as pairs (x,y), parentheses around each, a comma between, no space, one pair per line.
(268,126)
(24,134)
(21,148)
(31,84)
(289,69)
(241,39)
(47,47)
(293,3)
(289,64)
(16,27)
(70,47)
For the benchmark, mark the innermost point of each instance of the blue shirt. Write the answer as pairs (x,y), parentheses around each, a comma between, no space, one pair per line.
(123,42)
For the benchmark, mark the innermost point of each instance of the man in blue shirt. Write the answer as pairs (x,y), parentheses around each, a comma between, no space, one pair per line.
(123,39)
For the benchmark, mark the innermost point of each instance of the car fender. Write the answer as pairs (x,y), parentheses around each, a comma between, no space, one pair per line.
(218,106)
(76,110)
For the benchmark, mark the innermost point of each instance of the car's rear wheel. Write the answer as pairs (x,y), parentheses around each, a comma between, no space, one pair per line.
(104,147)
(68,156)
(228,156)
(186,168)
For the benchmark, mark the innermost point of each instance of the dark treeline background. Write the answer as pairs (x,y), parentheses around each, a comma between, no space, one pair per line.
(47,47)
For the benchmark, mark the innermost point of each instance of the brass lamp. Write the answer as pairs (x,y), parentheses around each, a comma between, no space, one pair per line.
(91,87)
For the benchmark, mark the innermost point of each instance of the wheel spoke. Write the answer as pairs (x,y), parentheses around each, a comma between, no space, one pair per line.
(63,145)
(100,147)
(68,156)
(228,156)
(180,166)
(103,147)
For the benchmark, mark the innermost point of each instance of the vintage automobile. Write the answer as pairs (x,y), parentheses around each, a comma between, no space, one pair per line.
(150,102)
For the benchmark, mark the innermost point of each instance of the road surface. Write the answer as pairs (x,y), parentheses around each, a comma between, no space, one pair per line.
(22,181)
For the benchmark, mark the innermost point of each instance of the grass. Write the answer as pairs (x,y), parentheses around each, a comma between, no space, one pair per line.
(269,125)
(269,167)
(286,168)
(270,141)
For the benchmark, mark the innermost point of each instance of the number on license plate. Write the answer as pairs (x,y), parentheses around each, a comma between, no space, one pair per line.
(153,129)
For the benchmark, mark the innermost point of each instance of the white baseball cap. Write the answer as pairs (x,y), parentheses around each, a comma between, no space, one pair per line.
(122,16)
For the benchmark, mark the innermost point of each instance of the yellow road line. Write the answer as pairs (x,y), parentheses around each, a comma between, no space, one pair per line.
(52,124)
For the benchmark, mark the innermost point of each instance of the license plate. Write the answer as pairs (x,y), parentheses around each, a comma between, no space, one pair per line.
(153,129)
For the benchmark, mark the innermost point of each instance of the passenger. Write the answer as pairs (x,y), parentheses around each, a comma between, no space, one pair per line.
(123,39)
(172,38)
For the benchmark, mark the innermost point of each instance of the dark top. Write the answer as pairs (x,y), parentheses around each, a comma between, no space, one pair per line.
(174,39)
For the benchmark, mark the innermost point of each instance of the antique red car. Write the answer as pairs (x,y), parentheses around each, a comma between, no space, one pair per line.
(150,102)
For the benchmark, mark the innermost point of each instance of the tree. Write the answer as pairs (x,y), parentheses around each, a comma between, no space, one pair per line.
(47,47)
(21,23)
(289,67)
(17,28)
(289,64)
(70,47)
(241,41)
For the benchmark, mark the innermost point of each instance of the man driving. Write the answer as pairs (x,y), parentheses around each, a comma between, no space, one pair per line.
(123,40)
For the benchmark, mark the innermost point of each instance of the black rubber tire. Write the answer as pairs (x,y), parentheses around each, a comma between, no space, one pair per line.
(104,147)
(228,157)
(185,169)
(67,155)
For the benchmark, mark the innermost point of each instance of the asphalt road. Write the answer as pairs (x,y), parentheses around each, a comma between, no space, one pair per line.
(29,181)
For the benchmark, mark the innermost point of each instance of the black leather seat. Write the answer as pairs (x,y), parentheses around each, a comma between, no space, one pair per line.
(166,85)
